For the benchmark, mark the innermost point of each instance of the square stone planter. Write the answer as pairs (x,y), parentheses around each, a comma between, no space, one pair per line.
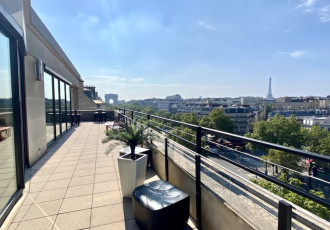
(131,173)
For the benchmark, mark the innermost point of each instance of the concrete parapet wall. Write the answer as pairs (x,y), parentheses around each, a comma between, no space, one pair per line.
(88,115)
(216,214)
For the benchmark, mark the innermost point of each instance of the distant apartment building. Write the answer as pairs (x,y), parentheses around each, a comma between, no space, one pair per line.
(323,122)
(168,104)
(259,112)
(283,103)
(251,100)
(309,122)
(243,118)
(201,109)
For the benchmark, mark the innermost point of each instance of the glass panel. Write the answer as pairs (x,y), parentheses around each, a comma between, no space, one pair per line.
(63,106)
(7,146)
(48,87)
(57,108)
(68,105)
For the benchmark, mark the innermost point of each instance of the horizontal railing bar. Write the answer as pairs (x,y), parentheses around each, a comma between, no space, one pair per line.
(275,181)
(272,146)
(242,185)
(262,175)
(166,119)
(174,135)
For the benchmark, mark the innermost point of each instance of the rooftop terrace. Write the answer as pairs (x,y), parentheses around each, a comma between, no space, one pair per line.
(76,186)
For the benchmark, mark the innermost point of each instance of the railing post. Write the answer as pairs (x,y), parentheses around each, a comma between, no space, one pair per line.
(199,139)
(132,116)
(166,160)
(284,215)
(148,116)
(198,191)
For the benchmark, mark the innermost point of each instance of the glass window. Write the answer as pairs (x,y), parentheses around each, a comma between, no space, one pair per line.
(57,108)
(48,88)
(63,106)
(68,105)
(8,184)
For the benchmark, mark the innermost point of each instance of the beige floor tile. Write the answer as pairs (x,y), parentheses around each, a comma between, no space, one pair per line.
(21,213)
(67,168)
(73,220)
(13,226)
(40,179)
(45,223)
(87,156)
(114,226)
(102,170)
(84,172)
(80,190)
(70,158)
(105,177)
(68,163)
(75,181)
(43,210)
(104,163)
(107,215)
(41,172)
(107,198)
(76,203)
(105,186)
(56,184)
(30,198)
(59,176)
(50,195)
(85,166)
(37,187)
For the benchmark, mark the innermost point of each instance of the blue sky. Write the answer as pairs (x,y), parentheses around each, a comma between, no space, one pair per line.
(150,48)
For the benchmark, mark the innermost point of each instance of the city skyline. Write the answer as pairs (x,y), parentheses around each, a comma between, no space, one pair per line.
(144,50)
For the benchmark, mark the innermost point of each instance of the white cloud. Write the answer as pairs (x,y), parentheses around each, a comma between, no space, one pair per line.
(204,25)
(107,78)
(90,20)
(294,54)
(306,4)
(324,14)
(137,79)
(320,8)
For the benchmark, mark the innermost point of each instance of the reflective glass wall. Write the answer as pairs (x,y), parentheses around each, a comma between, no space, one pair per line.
(8,181)
(49,107)
(57,106)
(63,106)
(68,105)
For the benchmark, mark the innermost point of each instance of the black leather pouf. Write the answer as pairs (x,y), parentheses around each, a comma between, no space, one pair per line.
(160,205)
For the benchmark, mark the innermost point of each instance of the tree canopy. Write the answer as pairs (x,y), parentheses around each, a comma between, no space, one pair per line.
(218,120)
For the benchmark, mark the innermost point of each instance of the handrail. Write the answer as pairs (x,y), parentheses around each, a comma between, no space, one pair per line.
(299,152)
(248,169)
(273,146)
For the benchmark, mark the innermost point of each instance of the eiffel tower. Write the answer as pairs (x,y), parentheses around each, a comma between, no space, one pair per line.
(270,95)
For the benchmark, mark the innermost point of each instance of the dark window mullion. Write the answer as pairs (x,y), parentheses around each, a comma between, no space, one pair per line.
(59,106)
(54,111)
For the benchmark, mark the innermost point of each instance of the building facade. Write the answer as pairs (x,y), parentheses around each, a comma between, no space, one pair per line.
(243,118)
(39,88)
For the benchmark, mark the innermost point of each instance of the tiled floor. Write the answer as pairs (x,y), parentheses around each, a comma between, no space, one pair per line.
(76,186)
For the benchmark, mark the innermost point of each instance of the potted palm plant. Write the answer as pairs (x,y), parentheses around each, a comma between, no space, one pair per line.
(132,166)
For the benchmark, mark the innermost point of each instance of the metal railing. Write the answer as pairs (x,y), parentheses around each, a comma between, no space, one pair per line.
(167,126)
